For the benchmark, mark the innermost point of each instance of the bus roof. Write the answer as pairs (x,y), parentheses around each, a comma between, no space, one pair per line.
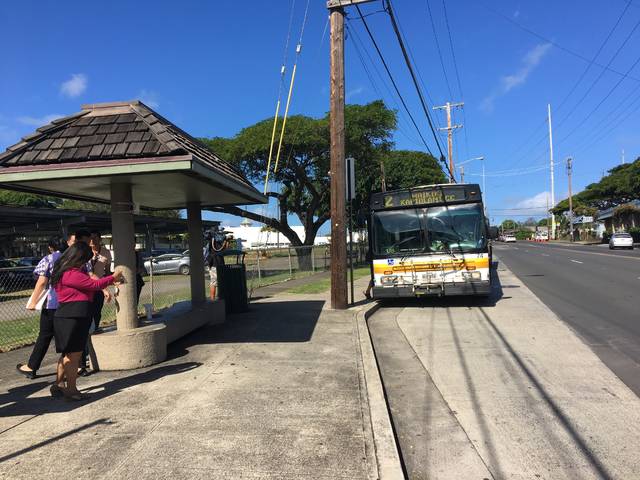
(443,194)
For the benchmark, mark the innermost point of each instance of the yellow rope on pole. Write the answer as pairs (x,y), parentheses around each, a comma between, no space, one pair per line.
(286,112)
(273,137)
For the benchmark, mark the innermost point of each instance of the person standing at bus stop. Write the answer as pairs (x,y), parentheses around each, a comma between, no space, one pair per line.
(100,266)
(43,272)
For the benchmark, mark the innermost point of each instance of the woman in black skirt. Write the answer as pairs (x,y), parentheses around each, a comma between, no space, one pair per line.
(74,289)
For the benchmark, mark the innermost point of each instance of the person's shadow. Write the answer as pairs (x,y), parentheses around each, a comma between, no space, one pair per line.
(17,403)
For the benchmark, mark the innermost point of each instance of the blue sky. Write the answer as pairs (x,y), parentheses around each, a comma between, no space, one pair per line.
(213,68)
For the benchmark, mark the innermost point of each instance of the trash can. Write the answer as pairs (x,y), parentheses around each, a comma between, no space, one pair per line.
(232,280)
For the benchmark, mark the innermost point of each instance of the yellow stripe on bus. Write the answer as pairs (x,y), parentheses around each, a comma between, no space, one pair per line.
(446,265)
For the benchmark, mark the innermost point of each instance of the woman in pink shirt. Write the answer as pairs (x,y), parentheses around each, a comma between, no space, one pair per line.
(74,289)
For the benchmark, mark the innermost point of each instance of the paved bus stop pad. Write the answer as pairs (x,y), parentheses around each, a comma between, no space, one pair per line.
(276,392)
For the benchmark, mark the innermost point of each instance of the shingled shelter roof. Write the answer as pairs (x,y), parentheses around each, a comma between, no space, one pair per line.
(115,134)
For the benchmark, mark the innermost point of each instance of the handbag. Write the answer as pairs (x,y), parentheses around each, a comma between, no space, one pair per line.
(41,299)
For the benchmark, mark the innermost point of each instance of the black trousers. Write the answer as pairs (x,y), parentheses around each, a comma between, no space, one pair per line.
(95,316)
(45,335)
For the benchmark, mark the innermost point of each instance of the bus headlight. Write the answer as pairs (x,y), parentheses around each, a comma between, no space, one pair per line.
(389,280)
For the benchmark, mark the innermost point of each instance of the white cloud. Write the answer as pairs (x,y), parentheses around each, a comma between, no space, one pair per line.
(516,14)
(8,136)
(507,83)
(353,93)
(75,86)
(149,98)
(534,206)
(38,121)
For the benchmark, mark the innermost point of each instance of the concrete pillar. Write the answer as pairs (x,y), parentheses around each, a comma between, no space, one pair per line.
(124,253)
(196,245)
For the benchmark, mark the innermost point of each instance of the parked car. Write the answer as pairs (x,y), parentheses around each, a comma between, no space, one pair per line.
(509,238)
(169,263)
(156,252)
(27,261)
(14,277)
(621,240)
(542,236)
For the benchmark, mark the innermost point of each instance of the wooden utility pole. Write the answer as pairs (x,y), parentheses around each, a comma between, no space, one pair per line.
(551,169)
(569,168)
(338,166)
(450,128)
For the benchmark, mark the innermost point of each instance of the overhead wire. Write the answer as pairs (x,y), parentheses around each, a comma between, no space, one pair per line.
(552,42)
(283,68)
(455,67)
(359,48)
(403,48)
(437,42)
(574,87)
(293,77)
(393,82)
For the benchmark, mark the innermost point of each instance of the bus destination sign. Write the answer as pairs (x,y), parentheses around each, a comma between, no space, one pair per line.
(409,198)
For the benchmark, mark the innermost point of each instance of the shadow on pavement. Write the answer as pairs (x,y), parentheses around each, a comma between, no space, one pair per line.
(265,322)
(44,443)
(17,403)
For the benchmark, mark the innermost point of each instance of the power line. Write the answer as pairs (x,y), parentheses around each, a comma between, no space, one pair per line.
(593,84)
(402,114)
(435,38)
(600,103)
(413,77)
(393,82)
(552,42)
(575,85)
(455,66)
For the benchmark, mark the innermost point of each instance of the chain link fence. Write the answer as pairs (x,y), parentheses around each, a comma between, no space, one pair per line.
(275,265)
(19,326)
(167,282)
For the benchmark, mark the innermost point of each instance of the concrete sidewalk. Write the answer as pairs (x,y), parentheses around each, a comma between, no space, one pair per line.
(516,392)
(277,392)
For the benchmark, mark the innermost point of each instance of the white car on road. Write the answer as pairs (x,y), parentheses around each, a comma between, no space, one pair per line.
(509,238)
(621,240)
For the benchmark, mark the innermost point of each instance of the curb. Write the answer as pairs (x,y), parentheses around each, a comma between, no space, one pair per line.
(386,450)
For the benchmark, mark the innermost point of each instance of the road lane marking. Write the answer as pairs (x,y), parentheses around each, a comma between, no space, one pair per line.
(585,253)
(546,255)
(576,261)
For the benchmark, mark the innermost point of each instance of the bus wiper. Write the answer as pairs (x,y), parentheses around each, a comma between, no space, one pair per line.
(397,244)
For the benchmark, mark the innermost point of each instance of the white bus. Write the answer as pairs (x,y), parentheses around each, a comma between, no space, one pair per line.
(430,240)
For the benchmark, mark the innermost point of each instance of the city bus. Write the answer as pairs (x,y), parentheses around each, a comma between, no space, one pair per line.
(430,241)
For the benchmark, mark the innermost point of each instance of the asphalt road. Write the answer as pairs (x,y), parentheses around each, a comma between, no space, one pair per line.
(591,288)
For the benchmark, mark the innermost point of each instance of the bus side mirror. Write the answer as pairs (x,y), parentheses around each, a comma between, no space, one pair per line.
(493,233)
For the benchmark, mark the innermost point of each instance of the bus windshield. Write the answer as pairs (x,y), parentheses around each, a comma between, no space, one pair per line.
(441,229)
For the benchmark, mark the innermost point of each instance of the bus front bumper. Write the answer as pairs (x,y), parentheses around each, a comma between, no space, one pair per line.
(431,290)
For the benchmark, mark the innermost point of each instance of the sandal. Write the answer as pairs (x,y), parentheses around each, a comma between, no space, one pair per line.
(56,391)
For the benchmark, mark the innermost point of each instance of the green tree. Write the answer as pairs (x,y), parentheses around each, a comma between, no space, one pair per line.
(405,168)
(543,222)
(21,199)
(509,224)
(303,182)
(620,186)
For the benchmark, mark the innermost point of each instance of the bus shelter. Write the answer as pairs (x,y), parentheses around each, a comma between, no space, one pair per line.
(126,155)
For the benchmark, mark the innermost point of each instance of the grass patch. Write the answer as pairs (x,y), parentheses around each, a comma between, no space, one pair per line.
(322,285)
(253,283)
(18,332)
